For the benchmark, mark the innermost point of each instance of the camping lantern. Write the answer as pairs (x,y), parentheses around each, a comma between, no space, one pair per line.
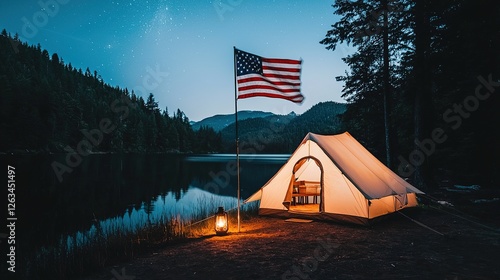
(221,221)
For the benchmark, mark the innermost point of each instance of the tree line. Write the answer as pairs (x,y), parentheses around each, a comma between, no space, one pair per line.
(50,106)
(422,85)
(283,133)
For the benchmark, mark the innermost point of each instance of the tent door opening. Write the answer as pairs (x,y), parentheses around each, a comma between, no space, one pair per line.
(306,186)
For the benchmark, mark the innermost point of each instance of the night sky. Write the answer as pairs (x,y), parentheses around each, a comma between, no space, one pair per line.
(182,51)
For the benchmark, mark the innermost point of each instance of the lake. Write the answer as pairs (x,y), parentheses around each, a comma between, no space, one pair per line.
(126,190)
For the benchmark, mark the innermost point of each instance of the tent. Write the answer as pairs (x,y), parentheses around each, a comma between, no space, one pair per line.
(333,177)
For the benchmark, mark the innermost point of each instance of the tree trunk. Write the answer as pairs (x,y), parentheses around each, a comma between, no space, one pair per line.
(423,99)
(387,89)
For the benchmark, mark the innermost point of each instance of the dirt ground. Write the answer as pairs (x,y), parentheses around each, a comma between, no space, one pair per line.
(272,248)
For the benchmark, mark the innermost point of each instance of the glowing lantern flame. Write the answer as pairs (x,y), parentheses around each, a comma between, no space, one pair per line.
(221,221)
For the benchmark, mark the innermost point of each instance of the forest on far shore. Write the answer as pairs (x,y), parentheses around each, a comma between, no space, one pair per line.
(47,105)
(50,106)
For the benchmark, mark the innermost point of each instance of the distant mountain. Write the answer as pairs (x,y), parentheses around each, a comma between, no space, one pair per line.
(322,118)
(281,134)
(219,122)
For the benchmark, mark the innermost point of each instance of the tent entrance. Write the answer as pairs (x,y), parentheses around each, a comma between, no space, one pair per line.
(306,186)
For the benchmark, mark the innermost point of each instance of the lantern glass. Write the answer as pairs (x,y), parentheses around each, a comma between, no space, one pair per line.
(221,221)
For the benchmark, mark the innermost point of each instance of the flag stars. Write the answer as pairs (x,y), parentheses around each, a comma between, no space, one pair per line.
(247,63)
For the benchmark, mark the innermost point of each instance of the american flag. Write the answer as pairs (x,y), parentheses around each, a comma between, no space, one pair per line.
(267,77)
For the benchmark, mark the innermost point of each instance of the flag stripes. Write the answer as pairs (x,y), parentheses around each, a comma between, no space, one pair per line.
(267,77)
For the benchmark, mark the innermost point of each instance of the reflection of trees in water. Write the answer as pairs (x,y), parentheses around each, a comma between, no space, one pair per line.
(253,176)
(103,185)
(106,186)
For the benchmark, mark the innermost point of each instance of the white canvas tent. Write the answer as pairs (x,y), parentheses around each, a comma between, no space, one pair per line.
(334,177)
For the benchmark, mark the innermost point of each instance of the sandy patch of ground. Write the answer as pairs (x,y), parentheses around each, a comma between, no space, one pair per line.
(271,248)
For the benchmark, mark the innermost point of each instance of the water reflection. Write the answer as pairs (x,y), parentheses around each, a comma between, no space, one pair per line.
(128,190)
(165,207)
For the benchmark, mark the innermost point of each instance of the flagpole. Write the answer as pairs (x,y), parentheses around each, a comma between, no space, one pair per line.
(237,137)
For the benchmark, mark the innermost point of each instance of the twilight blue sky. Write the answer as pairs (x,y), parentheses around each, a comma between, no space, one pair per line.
(182,51)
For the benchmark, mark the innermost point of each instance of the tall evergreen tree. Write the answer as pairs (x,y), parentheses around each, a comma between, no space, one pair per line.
(371,27)
(438,53)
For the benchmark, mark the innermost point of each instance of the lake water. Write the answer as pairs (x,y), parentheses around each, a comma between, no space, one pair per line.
(126,190)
